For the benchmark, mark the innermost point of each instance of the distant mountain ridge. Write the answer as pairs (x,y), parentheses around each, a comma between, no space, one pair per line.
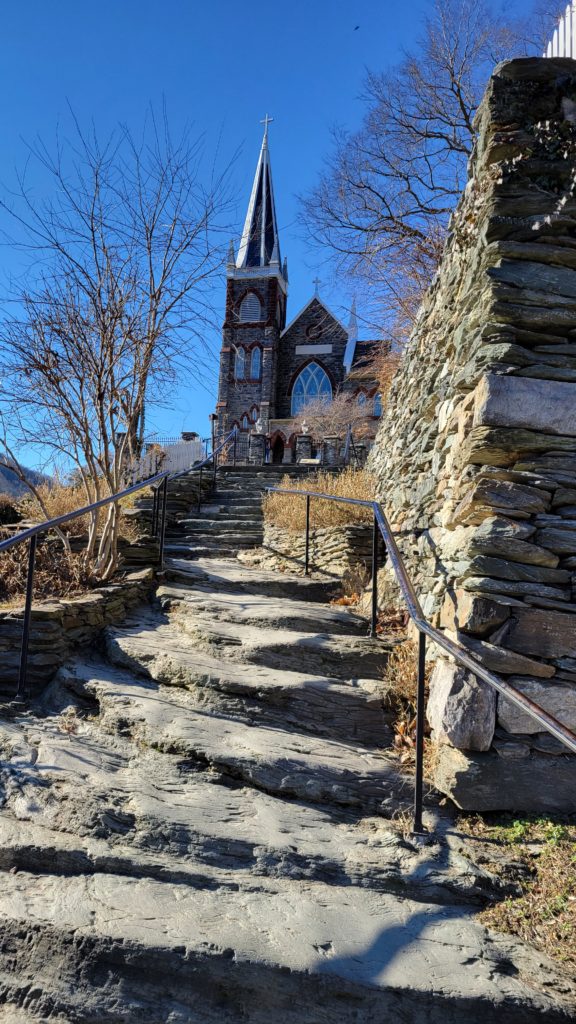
(11,485)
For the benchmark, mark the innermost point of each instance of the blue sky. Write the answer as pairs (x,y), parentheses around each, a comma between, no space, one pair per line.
(220,65)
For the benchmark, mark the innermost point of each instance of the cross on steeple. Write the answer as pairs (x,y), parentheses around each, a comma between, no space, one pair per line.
(266,121)
(316,283)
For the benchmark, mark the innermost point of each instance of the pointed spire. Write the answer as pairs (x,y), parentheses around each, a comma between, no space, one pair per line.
(260,244)
(352,338)
(285,270)
(231,254)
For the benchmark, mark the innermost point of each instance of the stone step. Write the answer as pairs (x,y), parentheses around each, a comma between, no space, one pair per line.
(283,763)
(320,654)
(219,526)
(256,609)
(230,576)
(255,691)
(272,839)
(292,953)
(210,545)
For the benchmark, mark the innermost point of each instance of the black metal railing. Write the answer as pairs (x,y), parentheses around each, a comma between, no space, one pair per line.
(381,527)
(159,485)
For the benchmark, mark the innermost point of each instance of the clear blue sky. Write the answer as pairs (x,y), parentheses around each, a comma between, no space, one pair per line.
(220,65)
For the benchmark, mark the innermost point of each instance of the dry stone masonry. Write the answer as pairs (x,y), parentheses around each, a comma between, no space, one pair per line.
(477,451)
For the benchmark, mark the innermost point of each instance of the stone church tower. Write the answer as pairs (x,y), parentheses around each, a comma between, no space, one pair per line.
(269,370)
(256,294)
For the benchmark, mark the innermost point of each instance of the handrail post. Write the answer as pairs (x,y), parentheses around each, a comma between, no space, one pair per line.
(154,511)
(200,489)
(375,539)
(27,618)
(418,826)
(163,522)
(307,547)
(215,462)
(234,451)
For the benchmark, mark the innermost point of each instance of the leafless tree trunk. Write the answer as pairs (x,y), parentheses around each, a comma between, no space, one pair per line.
(126,251)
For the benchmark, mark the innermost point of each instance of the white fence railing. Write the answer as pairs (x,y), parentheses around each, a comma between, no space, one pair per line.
(563,42)
(175,458)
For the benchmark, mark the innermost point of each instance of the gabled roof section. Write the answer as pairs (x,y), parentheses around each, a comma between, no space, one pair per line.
(315,298)
(260,244)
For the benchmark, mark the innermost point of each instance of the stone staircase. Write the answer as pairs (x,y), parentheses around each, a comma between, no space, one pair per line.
(231,519)
(206,837)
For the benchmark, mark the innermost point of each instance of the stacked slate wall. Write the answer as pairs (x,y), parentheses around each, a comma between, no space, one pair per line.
(476,454)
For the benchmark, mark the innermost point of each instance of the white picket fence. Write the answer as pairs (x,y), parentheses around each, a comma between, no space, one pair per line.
(563,42)
(175,458)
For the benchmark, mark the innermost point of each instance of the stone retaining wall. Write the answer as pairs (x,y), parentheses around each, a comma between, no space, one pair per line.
(334,550)
(59,626)
(476,453)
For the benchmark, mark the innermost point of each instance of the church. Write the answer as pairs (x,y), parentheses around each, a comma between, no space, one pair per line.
(271,367)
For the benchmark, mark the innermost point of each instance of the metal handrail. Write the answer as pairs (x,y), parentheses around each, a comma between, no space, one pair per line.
(426,629)
(159,484)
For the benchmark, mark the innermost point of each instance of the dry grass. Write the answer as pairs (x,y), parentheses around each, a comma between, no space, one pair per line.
(289,510)
(400,687)
(57,574)
(545,912)
(58,500)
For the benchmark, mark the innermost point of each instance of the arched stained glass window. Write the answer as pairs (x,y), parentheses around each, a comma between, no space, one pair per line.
(245,422)
(256,363)
(250,309)
(312,383)
(361,398)
(240,364)
(377,408)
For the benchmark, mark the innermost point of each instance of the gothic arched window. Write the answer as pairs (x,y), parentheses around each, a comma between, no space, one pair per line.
(361,398)
(312,383)
(250,309)
(240,364)
(254,413)
(245,422)
(256,363)
(377,407)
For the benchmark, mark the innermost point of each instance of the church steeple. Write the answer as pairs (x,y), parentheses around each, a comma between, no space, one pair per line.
(260,244)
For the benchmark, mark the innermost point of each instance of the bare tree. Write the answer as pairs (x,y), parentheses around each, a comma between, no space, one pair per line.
(126,251)
(331,417)
(383,203)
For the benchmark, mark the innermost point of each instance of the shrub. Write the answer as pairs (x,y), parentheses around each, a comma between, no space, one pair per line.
(9,512)
(57,573)
(289,510)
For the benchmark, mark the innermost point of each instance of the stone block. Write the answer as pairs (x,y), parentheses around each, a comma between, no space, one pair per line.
(463,611)
(546,633)
(500,659)
(506,538)
(478,781)
(505,401)
(557,698)
(488,497)
(500,568)
(461,708)
(559,538)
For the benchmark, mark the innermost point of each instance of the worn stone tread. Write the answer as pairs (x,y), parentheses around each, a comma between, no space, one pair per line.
(339,945)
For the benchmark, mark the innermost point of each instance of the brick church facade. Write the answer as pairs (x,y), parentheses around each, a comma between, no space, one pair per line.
(269,368)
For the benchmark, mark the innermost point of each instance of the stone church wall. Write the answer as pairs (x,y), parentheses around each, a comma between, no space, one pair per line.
(476,454)
(314,336)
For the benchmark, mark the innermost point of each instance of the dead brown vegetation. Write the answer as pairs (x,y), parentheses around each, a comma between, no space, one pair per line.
(58,573)
(289,510)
